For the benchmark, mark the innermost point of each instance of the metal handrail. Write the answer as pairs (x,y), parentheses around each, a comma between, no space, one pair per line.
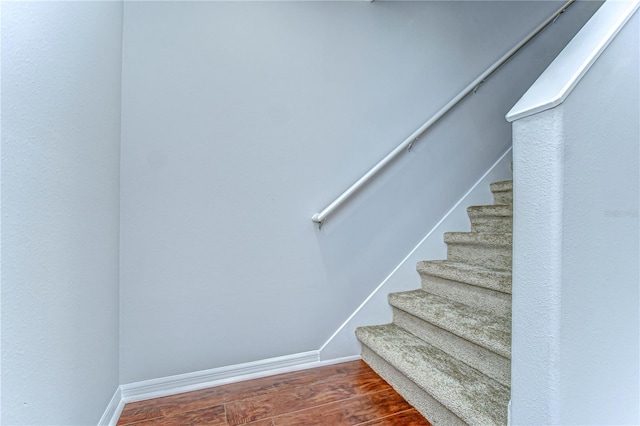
(408,143)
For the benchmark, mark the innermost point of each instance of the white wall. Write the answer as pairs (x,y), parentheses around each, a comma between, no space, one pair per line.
(241,120)
(576,321)
(600,317)
(61,77)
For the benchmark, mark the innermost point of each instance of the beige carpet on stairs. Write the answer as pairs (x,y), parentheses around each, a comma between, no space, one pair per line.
(448,349)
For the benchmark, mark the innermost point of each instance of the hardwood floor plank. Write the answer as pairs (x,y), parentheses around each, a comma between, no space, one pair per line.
(262,407)
(137,411)
(189,401)
(330,390)
(213,416)
(356,410)
(406,418)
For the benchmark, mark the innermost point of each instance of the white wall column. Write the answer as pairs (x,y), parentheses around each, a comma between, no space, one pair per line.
(61,68)
(576,295)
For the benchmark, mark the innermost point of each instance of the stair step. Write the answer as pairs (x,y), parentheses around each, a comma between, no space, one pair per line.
(430,408)
(490,250)
(495,218)
(491,210)
(480,327)
(476,275)
(502,192)
(489,363)
(501,186)
(470,395)
(452,283)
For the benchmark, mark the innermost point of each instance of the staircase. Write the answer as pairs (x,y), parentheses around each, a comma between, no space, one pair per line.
(448,349)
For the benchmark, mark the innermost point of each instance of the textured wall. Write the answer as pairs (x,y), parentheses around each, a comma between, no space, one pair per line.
(241,120)
(576,336)
(61,68)
(600,315)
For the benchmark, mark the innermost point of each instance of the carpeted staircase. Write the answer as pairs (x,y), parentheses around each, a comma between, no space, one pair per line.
(448,349)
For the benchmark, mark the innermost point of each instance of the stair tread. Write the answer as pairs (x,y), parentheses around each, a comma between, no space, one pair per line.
(478,326)
(485,238)
(472,396)
(502,210)
(494,279)
(505,185)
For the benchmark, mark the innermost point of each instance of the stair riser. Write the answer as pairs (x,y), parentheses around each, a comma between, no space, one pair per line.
(487,255)
(492,224)
(471,295)
(493,365)
(422,401)
(503,198)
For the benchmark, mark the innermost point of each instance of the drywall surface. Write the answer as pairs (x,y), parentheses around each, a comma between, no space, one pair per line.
(61,77)
(537,251)
(576,322)
(243,119)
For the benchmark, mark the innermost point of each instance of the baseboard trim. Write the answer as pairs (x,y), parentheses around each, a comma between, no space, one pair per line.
(173,385)
(188,382)
(336,361)
(113,411)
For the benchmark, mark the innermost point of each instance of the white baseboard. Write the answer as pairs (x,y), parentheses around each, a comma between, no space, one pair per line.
(173,385)
(113,411)
(188,382)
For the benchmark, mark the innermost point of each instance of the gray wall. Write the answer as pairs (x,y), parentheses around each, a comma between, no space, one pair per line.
(61,69)
(241,120)
(576,335)
(600,320)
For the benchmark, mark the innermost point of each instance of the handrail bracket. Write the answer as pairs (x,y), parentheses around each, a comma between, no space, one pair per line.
(411,143)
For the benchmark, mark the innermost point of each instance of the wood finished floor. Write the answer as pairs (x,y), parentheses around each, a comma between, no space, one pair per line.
(343,394)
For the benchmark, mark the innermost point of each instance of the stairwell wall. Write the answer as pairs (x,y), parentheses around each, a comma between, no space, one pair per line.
(576,322)
(241,120)
(600,316)
(61,69)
